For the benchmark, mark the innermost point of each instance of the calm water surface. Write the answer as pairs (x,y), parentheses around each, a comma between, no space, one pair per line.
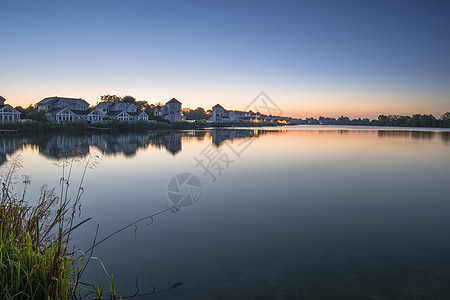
(291,213)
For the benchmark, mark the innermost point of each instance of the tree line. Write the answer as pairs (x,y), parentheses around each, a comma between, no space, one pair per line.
(417,120)
(199,114)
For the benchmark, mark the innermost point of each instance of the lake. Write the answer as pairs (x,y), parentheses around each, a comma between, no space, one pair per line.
(301,212)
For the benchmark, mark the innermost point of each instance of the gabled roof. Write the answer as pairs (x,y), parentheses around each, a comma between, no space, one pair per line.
(104,104)
(116,113)
(173,100)
(55,111)
(218,106)
(138,113)
(2,99)
(7,105)
(85,112)
(49,100)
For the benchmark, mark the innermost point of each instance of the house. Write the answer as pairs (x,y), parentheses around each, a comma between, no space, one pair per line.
(122,111)
(51,103)
(91,115)
(171,111)
(220,114)
(61,110)
(7,112)
(140,116)
(109,106)
(120,115)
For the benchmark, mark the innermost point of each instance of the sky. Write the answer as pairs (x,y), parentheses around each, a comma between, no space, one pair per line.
(312,58)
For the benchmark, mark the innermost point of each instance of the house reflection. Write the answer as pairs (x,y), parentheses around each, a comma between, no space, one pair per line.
(56,146)
(9,146)
(62,146)
(219,136)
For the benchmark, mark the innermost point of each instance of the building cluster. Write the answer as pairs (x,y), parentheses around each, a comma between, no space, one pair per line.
(220,114)
(62,110)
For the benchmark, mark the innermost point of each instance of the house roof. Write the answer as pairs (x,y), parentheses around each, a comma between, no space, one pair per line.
(116,113)
(217,105)
(138,113)
(85,112)
(2,99)
(53,112)
(56,98)
(173,100)
(7,105)
(104,104)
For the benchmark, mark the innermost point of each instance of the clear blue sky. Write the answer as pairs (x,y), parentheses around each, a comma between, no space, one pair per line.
(359,58)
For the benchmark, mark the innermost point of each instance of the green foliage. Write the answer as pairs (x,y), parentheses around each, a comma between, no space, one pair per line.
(129,99)
(31,113)
(113,98)
(34,260)
(417,120)
(196,114)
(445,120)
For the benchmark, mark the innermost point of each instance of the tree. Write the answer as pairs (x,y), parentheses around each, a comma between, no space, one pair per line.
(129,99)
(32,113)
(112,98)
(196,114)
(343,121)
(445,120)
(423,121)
(446,116)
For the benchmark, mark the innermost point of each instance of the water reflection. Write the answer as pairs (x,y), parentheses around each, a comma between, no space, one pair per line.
(55,145)
(219,136)
(361,211)
(418,135)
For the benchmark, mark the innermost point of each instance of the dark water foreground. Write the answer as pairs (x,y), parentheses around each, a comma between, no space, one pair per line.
(297,213)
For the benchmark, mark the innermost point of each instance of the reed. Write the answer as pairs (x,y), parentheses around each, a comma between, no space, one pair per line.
(35,262)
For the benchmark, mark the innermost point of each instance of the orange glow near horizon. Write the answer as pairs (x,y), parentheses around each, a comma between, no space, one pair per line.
(303,104)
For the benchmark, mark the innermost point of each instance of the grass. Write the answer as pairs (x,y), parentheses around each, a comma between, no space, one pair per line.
(114,125)
(35,262)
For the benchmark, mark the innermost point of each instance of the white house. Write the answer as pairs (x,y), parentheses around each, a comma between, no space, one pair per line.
(61,115)
(92,115)
(62,110)
(140,116)
(120,115)
(51,103)
(122,111)
(220,114)
(171,111)
(7,112)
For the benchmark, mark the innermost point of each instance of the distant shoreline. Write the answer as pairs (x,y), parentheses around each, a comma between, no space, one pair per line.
(118,126)
(139,126)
